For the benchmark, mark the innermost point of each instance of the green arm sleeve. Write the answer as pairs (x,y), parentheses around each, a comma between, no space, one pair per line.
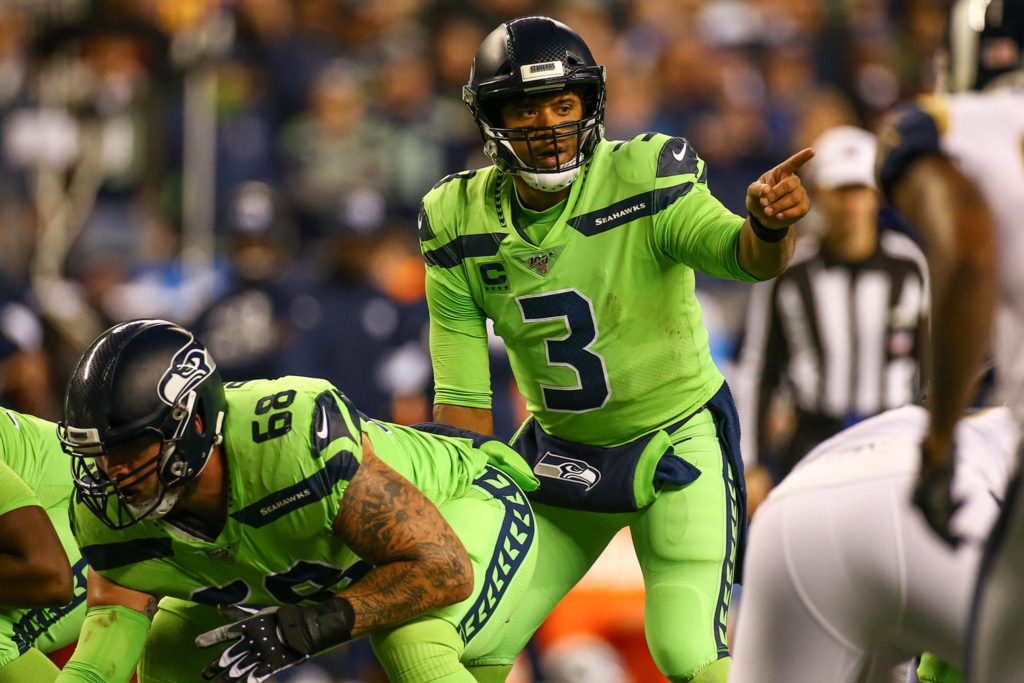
(14,493)
(458,343)
(699,231)
(109,646)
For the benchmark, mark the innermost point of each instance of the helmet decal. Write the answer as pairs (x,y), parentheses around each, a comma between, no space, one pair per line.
(533,72)
(189,368)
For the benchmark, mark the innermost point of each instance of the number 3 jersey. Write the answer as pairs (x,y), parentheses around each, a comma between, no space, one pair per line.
(600,318)
(292,445)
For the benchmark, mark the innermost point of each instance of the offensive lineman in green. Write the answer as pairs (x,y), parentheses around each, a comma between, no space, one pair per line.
(278,494)
(582,251)
(42,574)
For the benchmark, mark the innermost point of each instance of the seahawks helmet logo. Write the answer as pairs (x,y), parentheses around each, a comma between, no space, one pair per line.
(567,469)
(190,366)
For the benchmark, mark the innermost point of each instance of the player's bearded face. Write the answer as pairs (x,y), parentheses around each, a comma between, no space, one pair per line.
(133,468)
(554,120)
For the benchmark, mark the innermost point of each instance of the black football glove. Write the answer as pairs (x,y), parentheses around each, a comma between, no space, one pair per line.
(273,639)
(258,651)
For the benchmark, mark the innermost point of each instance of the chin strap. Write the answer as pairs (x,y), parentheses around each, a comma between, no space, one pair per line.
(170,498)
(545,182)
(550,182)
(162,508)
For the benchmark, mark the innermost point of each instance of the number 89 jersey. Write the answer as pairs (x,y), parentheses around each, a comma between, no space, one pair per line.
(600,318)
(291,446)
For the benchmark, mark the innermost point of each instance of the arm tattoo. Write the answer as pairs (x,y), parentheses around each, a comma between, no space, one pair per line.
(151,608)
(420,564)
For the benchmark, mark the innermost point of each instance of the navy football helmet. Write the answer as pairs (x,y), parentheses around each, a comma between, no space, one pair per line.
(138,380)
(524,57)
(985,41)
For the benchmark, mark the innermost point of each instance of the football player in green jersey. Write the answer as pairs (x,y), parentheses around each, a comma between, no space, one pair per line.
(303,521)
(583,251)
(42,574)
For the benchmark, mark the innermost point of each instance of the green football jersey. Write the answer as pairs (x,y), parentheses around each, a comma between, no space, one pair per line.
(35,471)
(603,329)
(292,445)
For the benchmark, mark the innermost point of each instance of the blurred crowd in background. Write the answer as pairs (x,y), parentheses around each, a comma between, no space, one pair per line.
(254,168)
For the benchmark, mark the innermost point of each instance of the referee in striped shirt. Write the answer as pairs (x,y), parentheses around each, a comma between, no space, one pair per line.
(838,336)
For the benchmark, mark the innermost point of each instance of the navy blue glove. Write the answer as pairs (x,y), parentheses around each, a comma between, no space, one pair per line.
(933,496)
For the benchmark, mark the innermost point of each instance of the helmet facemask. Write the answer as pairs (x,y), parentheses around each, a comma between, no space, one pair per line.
(108,498)
(584,134)
(173,467)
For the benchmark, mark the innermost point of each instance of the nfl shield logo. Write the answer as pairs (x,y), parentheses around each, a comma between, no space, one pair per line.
(539,262)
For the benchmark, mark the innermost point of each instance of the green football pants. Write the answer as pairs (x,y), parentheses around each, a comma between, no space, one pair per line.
(686,545)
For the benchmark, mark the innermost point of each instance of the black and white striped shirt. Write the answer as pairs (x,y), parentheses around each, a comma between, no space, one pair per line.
(844,338)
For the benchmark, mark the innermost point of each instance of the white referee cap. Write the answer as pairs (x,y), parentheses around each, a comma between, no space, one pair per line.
(844,156)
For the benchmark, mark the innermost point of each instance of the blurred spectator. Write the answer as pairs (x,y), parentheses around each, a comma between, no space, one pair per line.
(456,37)
(335,165)
(247,326)
(13,57)
(838,336)
(687,77)
(496,11)
(413,129)
(24,366)
(352,333)
(296,40)
(370,26)
(245,134)
(823,110)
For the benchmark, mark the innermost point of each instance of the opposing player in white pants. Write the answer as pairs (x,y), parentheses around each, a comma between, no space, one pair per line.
(953,166)
(844,580)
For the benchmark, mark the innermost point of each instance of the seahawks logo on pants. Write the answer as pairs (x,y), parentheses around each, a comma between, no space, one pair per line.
(567,469)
